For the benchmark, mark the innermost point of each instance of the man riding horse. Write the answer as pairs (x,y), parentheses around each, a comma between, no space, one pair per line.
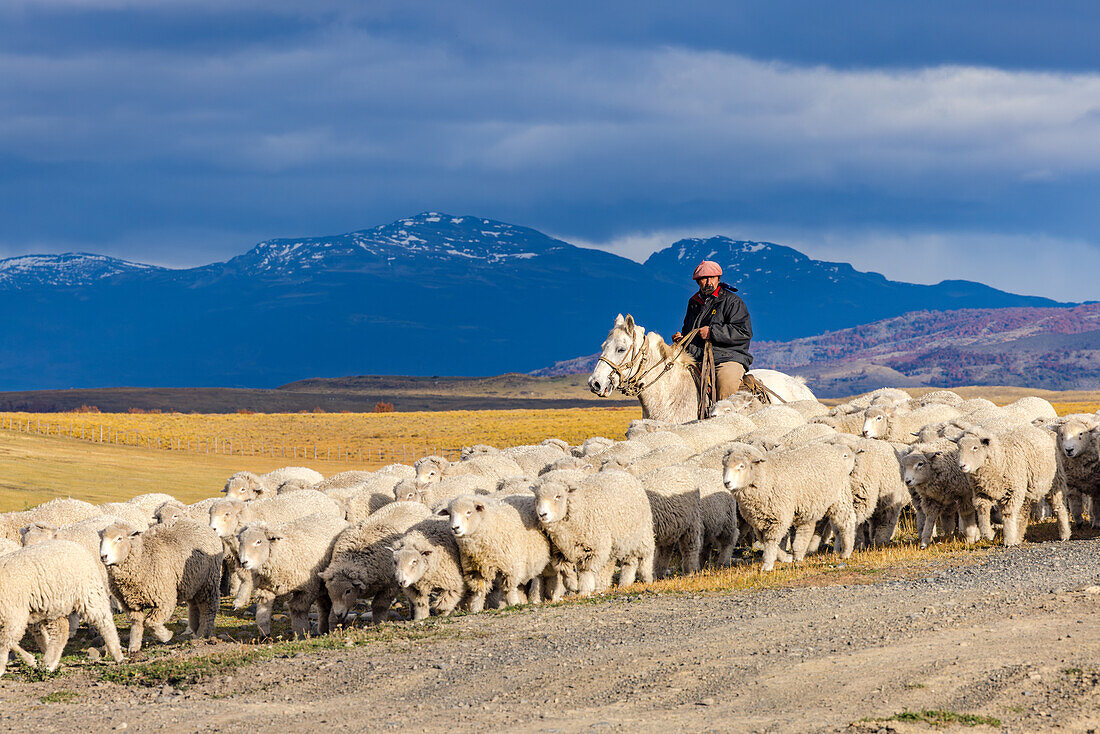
(722,320)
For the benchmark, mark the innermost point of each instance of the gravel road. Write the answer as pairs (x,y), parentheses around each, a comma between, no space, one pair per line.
(1012,634)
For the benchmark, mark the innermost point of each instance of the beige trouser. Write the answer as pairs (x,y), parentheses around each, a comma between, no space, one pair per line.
(728,376)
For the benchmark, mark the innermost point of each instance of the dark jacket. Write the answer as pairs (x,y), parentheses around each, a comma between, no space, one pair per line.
(730,326)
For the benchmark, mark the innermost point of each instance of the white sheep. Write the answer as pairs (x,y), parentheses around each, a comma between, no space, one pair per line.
(245,485)
(702,435)
(134,514)
(878,492)
(533,459)
(641,426)
(372,480)
(500,538)
(360,502)
(1012,469)
(436,494)
(740,402)
(943,489)
(808,408)
(173,510)
(895,423)
(593,445)
(946,397)
(151,501)
(152,571)
(843,422)
(286,561)
(882,396)
(41,586)
(597,522)
(60,511)
(428,568)
(776,416)
(227,517)
(362,561)
(494,466)
(794,487)
(656,459)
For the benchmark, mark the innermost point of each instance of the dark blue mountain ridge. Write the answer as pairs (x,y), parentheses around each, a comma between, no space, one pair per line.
(433,294)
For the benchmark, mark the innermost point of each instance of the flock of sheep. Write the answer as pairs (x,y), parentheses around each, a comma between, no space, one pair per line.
(532,523)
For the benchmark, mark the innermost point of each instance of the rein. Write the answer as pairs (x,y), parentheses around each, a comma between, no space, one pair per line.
(634,384)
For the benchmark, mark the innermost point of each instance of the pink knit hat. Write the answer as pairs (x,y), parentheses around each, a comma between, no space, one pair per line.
(706,269)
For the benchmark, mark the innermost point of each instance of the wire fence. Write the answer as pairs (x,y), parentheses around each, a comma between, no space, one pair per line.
(217,445)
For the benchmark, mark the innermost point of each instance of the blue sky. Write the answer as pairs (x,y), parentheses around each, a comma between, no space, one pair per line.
(922,140)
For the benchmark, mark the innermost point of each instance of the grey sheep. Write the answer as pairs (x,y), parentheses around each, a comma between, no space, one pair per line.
(428,568)
(597,522)
(1077,440)
(943,489)
(361,502)
(152,571)
(677,510)
(286,561)
(1013,468)
(500,538)
(795,487)
(362,561)
(40,587)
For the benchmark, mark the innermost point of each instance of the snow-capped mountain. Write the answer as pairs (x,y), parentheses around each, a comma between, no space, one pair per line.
(430,294)
(71,269)
(442,238)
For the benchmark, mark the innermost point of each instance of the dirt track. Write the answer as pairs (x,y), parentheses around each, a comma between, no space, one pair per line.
(1014,636)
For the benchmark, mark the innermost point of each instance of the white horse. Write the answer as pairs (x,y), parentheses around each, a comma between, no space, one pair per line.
(630,354)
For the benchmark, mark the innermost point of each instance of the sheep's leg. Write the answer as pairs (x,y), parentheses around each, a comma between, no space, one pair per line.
(725,551)
(445,603)
(932,512)
(265,605)
(535,590)
(690,546)
(479,589)
(1057,501)
(137,629)
(1011,517)
(645,567)
(969,517)
(244,588)
(985,524)
(193,615)
(419,602)
(844,525)
(948,521)
(771,550)
(324,611)
(104,624)
(57,634)
(74,623)
(628,571)
(380,605)
(886,525)
(299,606)
(1076,506)
(512,594)
(1093,507)
(157,620)
(25,656)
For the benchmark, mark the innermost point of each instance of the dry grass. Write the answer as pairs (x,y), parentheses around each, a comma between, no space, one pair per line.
(337,432)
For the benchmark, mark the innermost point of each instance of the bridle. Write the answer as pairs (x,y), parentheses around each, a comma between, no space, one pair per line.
(632,372)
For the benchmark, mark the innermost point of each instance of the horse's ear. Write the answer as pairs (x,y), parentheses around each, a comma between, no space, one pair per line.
(628,322)
(619,320)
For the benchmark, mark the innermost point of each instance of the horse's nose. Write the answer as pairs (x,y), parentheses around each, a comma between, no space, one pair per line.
(594,385)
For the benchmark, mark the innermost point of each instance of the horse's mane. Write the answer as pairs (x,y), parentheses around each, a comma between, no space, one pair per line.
(667,350)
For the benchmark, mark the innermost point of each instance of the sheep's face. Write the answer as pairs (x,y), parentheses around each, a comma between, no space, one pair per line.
(739,468)
(552,501)
(169,513)
(466,513)
(876,423)
(973,451)
(256,542)
(428,471)
(916,468)
(1075,437)
(407,492)
(410,563)
(37,533)
(242,486)
(344,591)
(225,517)
(115,541)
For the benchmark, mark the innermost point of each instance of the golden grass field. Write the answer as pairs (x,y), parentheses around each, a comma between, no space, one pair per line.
(35,468)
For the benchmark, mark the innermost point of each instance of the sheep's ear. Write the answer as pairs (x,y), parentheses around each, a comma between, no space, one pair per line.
(761,460)
(326,575)
(443,512)
(426,552)
(479,506)
(935,454)
(275,537)
(359,584)
(985,440)
(135,533)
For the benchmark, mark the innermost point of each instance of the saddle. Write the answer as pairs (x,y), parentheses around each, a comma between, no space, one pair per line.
(755,388)
(706,383)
